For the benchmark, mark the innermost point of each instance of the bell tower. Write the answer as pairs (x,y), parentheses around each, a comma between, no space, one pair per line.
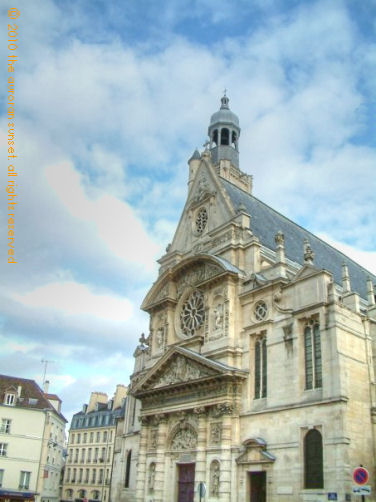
(224,132)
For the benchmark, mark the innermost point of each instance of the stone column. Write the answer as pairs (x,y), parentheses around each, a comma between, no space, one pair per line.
(225,471)
(159,488)
(141,482)
(200,468)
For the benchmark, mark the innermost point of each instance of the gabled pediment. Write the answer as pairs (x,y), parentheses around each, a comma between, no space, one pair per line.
(207,207)
(306,271)
(255,452)
(180,367)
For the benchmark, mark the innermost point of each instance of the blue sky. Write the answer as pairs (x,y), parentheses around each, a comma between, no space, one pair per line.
(112,97)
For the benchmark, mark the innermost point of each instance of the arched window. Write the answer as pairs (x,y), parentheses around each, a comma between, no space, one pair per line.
(95,495)
(312,354)
(215,137)
(128,469)
(69,493)
(225,136)
(260,368)
(313,460)
(82,494)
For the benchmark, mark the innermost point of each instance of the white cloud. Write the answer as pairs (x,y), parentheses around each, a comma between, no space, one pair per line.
(77,299)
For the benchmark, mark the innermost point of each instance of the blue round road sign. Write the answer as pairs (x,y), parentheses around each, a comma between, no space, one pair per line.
(360,475)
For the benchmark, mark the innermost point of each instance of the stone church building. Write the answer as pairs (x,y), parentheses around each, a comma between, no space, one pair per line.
(257,376)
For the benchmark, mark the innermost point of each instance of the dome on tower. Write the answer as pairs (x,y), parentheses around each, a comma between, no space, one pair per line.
(224,115)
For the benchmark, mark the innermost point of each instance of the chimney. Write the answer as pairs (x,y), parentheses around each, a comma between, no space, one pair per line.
(46,384)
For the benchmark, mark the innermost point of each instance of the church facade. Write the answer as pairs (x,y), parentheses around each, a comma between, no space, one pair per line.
(257,377)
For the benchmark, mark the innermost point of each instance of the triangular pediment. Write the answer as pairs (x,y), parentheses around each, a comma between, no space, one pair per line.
(208,206)
(181,366)
(307,270)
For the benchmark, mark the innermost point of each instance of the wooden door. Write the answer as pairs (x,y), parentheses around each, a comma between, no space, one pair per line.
(258,486)
(186,482)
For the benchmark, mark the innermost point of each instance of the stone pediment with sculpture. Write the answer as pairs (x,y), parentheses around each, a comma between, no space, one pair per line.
(177,370)
(181,366)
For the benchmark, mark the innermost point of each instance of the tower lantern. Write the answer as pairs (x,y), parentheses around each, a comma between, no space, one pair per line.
(224,132)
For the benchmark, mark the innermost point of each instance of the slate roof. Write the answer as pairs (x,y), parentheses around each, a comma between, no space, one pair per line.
(31,396)
(266,222)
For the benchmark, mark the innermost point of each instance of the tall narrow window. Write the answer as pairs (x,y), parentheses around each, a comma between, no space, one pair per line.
(24,480)
(260,368)
(1,477)
(128,469)
(313,460)
(225,136)
(5,426)
(312,354)
(3,449)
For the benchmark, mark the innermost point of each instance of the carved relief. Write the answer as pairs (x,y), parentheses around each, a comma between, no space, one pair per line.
(153,439)
(197,274)
(182,370)
(214,478)
(223,409)
(162,293)
(215,433)
(184,439)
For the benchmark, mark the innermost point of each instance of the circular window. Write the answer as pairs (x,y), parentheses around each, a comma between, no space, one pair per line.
(201,220)
(192,313)
(261,310)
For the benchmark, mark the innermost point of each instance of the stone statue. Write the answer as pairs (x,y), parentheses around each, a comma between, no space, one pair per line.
(214,478)
(151,477)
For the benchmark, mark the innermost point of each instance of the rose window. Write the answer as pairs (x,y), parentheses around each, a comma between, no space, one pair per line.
(192,313)
(201,220)
(261,311)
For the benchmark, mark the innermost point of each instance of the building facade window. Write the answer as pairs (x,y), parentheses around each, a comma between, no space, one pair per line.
(24,480)
(5,426)
(312,355)
(260,368)
(1,477)
(74,476)
(128,469)
(98,437)
(78,438)
(104,436)
(87,476)
(85,437)
(91,437)
(313,460)
(83,451)
(10,399)
(94,475)
(89,455)
(3,449)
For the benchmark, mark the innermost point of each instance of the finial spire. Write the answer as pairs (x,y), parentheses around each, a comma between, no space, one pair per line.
(309,255)
(370,292)
(224,101)
(345,278)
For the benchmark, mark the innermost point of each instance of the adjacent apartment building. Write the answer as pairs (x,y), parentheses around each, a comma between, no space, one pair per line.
(91,448)
(32,437)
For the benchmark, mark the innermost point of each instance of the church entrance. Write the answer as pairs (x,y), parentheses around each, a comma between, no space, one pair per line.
(258,486)
(186,482)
